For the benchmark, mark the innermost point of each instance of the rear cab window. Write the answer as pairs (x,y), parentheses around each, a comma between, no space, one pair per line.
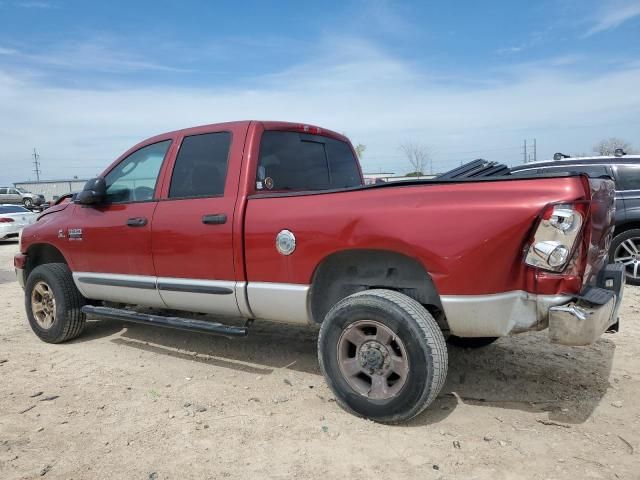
(293,161)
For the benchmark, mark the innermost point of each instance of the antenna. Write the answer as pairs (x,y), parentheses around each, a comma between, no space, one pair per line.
(36,163)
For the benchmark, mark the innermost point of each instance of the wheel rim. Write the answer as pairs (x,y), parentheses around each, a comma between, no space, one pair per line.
(27,202)
(628,253)
(43,305)
(373,360)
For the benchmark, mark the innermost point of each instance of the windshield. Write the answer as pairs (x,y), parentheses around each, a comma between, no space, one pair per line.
(22,190)
(13,209)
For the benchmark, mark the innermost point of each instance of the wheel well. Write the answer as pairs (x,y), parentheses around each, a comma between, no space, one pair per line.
(40,254)
(345,273)
(625,227)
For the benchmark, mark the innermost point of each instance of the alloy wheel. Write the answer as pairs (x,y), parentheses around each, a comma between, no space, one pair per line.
(628,253)
(43,305)
(373,360)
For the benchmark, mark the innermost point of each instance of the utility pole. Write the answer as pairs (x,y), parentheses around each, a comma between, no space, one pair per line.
(36,163)
(524,152)
(535,153)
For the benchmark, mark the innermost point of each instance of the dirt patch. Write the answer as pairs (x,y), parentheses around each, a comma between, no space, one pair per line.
(125,401)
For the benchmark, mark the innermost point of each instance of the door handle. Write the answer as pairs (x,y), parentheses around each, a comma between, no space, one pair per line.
(137,222)
(215,219)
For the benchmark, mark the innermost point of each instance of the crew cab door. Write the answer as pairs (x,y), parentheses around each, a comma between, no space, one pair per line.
(193,228)
(110,243)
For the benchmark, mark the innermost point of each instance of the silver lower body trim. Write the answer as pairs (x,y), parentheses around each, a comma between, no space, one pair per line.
(279,302)
(201,302)
(112,287)
(500,314)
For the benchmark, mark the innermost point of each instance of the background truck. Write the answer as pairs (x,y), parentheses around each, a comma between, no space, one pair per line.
(271,221)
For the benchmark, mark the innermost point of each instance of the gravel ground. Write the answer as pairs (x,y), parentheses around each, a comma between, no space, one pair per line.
(127,401)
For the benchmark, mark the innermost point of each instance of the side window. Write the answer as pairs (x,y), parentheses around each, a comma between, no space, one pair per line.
(593,171)
(201,166)
(529,172)
(134,178)
(298,161)
(3,191)
(629,177)
(13,191)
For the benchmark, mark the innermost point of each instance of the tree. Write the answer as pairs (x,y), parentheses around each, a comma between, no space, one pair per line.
(608,146)
(360,148)
(418,156)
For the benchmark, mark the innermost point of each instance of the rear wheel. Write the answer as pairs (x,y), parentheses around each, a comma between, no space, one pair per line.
(383,355)
(471,342)
(53,303)
(625,249)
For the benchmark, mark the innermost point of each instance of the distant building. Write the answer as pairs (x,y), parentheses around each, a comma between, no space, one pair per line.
(53,189)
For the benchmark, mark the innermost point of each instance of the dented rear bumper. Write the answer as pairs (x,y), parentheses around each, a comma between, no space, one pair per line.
(583,320)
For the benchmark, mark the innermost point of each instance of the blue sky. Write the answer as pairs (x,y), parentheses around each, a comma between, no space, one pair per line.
(83,81)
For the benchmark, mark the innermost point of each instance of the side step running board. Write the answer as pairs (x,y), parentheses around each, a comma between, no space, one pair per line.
(178,323)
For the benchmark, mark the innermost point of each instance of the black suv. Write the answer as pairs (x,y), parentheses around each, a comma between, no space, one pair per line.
(625,170)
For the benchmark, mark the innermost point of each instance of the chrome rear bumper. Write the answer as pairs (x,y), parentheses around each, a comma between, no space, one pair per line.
(582,321)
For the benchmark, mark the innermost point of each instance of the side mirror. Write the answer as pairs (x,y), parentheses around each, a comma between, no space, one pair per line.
(94,192)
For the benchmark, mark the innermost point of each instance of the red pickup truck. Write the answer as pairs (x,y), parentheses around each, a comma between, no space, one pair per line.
(272,221)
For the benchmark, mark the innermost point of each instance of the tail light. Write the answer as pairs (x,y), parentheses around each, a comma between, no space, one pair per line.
(6,220)
(556,236)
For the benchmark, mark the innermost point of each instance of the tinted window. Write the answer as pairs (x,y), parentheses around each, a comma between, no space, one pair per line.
(3,191)
(526,173)
(5,209)
(342,165)
(298,161)
(201,166)
(13,191)
(629,177)
(593,171)
(134,178)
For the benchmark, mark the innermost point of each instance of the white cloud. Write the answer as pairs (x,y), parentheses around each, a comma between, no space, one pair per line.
(98,55)
(614,13)
(376,99)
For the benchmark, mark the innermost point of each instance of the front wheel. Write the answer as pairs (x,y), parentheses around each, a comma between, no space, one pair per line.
(28,203)
(53,303)
(625,249)
(383,355)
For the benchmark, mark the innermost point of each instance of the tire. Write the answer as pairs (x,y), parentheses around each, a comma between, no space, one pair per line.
(58,320)
(629,239)
(416,342)
(27,202)
(471,342)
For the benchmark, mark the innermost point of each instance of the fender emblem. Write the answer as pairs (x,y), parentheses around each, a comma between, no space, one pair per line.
(75,234)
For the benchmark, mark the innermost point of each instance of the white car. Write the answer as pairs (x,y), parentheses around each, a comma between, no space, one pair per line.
(13,218)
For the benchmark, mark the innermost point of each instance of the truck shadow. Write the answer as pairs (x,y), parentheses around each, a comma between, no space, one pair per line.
(528,373)
(524,372)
